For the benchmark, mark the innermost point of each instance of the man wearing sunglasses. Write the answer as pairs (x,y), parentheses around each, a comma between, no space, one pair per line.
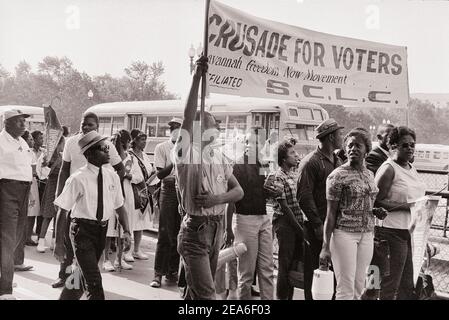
(92,193)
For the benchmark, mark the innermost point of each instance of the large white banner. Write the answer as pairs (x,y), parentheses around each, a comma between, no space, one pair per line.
(422,212)
(250,56)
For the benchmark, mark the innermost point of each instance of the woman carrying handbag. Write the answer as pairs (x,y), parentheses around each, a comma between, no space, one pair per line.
(141,173)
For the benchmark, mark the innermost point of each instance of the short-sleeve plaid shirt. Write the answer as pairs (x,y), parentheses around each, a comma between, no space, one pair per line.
(289,183)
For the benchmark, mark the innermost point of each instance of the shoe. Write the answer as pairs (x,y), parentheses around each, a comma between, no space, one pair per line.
(141,256)
(182,292)
(31,243)
(125,266)
(254,292)
(128,257)
(156,283)
(41,246)
(22,267)
(58,283)
(107,266)
(172,277)
(7,297)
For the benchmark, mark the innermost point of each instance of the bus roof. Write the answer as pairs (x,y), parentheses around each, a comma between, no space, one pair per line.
(168,106)
(24,109)
(424,146)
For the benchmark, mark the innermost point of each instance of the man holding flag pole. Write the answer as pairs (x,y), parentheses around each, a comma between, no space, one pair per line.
(206,184)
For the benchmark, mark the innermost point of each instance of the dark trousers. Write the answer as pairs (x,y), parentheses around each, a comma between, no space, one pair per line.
(167,257)
(88,242)
(64,271)
(30,226)
(290,249)
(199,242)
(312,258)
(399,284)
(13,214)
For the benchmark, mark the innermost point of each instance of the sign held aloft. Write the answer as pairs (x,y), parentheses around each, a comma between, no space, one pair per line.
(250,56)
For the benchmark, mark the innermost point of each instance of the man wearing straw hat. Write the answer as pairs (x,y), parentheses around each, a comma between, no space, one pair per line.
(91,193)
(204,191)
(15,182)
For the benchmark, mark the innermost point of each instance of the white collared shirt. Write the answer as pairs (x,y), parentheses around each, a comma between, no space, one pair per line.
(72,153)
(163,156)
(15,158)
(81,191)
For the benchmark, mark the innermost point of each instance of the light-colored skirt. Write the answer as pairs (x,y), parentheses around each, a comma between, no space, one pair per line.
(34,207)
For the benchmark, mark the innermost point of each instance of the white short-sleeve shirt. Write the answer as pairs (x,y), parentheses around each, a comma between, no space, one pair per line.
(72,153)
(15,158)
(81,191)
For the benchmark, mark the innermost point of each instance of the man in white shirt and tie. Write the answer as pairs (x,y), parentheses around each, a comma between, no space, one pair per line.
(92,194)
(72,160)
(15,181)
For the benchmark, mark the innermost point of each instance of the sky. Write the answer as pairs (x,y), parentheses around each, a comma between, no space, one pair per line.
(105,36)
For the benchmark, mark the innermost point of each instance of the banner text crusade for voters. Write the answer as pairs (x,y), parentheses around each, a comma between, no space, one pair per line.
(250,56)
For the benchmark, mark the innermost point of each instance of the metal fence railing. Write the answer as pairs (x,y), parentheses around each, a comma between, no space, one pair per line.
(439,235)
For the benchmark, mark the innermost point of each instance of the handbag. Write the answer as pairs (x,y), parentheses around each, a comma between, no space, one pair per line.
(140,190)
(140,193)
(424,289)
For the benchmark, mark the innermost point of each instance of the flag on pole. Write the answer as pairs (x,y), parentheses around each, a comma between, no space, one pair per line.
(53,131)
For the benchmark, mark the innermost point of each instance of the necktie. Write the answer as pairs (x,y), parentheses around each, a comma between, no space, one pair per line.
(100,196)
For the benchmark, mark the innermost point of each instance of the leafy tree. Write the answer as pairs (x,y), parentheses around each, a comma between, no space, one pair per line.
(58,77)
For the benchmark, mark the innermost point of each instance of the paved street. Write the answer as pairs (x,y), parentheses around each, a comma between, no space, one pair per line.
(127,285)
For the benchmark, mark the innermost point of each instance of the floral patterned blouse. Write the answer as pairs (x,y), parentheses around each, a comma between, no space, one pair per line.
(356,192)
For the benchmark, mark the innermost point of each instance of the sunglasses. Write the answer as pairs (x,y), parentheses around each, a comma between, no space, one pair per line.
(407,145)
(104,148)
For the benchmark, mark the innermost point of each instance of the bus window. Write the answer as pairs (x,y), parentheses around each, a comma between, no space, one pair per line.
(427,155)
(163,130)
(32,126)
(293,112)
(437,155)
(310,132)
(305,114)
(236,124)
(317,115)
(118,123)
(445,155)
(420,154)
(135,121)
(104,126)
(150,129)
(222,124)
(298,131)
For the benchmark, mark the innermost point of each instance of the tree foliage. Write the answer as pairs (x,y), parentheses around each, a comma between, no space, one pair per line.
(58,77)
(429,122)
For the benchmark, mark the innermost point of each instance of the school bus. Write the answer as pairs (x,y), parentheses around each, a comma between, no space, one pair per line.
(235,116)
(34,122)
(432,157)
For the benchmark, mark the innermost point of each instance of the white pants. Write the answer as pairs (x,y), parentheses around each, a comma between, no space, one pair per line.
(255,231)
(351,256)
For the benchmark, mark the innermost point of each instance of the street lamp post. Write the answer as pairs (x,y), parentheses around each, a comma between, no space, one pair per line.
(192,53)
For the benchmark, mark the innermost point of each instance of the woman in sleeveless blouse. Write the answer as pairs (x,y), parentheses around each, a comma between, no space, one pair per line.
(399,184)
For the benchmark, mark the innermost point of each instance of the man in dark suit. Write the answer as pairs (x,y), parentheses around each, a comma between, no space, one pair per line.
(379,154)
